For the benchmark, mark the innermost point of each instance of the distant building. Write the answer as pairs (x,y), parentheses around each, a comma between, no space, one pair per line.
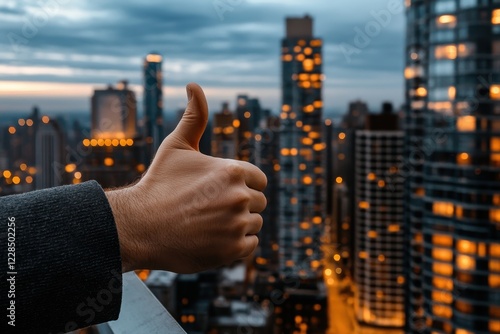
(49,158)
(379,267)
(114,112)
(153,103)
(301,208)
(224,133)
(249,114)
(114,155)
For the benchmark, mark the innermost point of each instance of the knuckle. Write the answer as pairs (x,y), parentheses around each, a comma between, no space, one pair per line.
(240,198)
(234,170)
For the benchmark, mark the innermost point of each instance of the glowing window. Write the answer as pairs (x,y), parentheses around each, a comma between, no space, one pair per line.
(495,16)
(463,158)
(372,234)
(445,52)
(495,250)
(466,246)
(443,209)
(446,21)
(466,123)
(308,65)
(495,92)
(443,283)
(364,205)
(442,240)
(494,265)
(495,215)
(494,281)
(363,255)
(466,262)
(495,147)
(442,254)
(393,228)
(442,297)
(442,311)
(494,326)
(442,269)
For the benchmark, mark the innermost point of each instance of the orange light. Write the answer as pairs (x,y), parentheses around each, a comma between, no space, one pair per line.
(12,130)
(371,176)
(21,122)
(29,179)
(109,162)
(45,119)
(307,180)
(339,180)
(449,20)
(421,92)
(23,166)
(86,142)
(130,142)
(342,136)
(123,142)
(29,122)
(236,123)
(152,58)
(6,174)
(70,168)
(495,92)
(495,16)
(317,220)
(364,205)
(16,180)
(78,175)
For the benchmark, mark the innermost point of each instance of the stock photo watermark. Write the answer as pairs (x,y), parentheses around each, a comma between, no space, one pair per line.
(221,7)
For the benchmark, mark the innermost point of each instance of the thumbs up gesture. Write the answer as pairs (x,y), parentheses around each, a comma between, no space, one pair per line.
(190,211)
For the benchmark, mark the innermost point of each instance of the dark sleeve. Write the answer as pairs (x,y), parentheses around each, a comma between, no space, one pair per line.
(67,270)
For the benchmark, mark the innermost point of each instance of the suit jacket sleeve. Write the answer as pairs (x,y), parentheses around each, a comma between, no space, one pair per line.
(67,267)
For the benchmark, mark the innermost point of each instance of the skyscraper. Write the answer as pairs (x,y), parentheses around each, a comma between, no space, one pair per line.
(301,206)
(224,137)
(49,148)
(248,113)
(379,242)
(153,102)
(452,166)
(114,112)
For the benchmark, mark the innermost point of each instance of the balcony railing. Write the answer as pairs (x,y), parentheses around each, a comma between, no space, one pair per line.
(140,312)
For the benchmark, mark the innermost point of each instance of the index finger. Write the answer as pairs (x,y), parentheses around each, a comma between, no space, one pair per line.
(254,177)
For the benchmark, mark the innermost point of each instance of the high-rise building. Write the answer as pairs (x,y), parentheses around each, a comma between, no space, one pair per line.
(379,242)
(49,154)
(114,112)
(114,155)
(153,102)
(452,166)
(225,127)
(301,207)
(248,113)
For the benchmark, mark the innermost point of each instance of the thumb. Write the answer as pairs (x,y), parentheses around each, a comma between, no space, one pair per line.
(188,132)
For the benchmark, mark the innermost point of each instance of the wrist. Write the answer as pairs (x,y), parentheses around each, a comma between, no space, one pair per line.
(122,203)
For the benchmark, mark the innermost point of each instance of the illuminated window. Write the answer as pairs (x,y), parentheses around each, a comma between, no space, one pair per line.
(446,21)
(307,179)
(442,297)
(421,92)
(466,246)
(287,58)
(109,162)
(463,158)
(285,151)
(393,228)
(495,16)
(494,265)
(442,269)
(495,147)
(339,180)
(466,49)
(494,326)
(364,205)
(372,234)
(363,255)
(341,136)
(443,283)
(442,311)
(442,254)
(452,92)
(465,262)
(495,215)
(371,176)
(495,250)
(420,192)
(443,209)
(445,52)
(442,240)
(494,281)
(463,331)
(495,92)
(308,65)
(317,220)
(466,123)
(463,306)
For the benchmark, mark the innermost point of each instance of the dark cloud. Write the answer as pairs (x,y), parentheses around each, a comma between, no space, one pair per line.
(242,49)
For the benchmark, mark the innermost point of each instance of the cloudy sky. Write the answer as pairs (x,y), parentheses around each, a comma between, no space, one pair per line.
(55,52)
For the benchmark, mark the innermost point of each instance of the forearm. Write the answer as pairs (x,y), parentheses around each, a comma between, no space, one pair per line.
(67,258)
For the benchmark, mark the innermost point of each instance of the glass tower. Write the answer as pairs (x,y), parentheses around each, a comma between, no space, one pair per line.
(301,207)
(153,102)
(453,166)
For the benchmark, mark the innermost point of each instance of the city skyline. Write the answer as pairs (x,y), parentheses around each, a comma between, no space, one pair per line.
(67,57)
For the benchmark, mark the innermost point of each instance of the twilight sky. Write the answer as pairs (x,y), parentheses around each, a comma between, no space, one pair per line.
(55,52)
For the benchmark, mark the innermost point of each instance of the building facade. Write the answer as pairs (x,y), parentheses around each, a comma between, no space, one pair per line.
(379,239)
(301,206)
(452,163)
(153,102)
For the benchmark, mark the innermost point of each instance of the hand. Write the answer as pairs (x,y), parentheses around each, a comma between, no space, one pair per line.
(190,211)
